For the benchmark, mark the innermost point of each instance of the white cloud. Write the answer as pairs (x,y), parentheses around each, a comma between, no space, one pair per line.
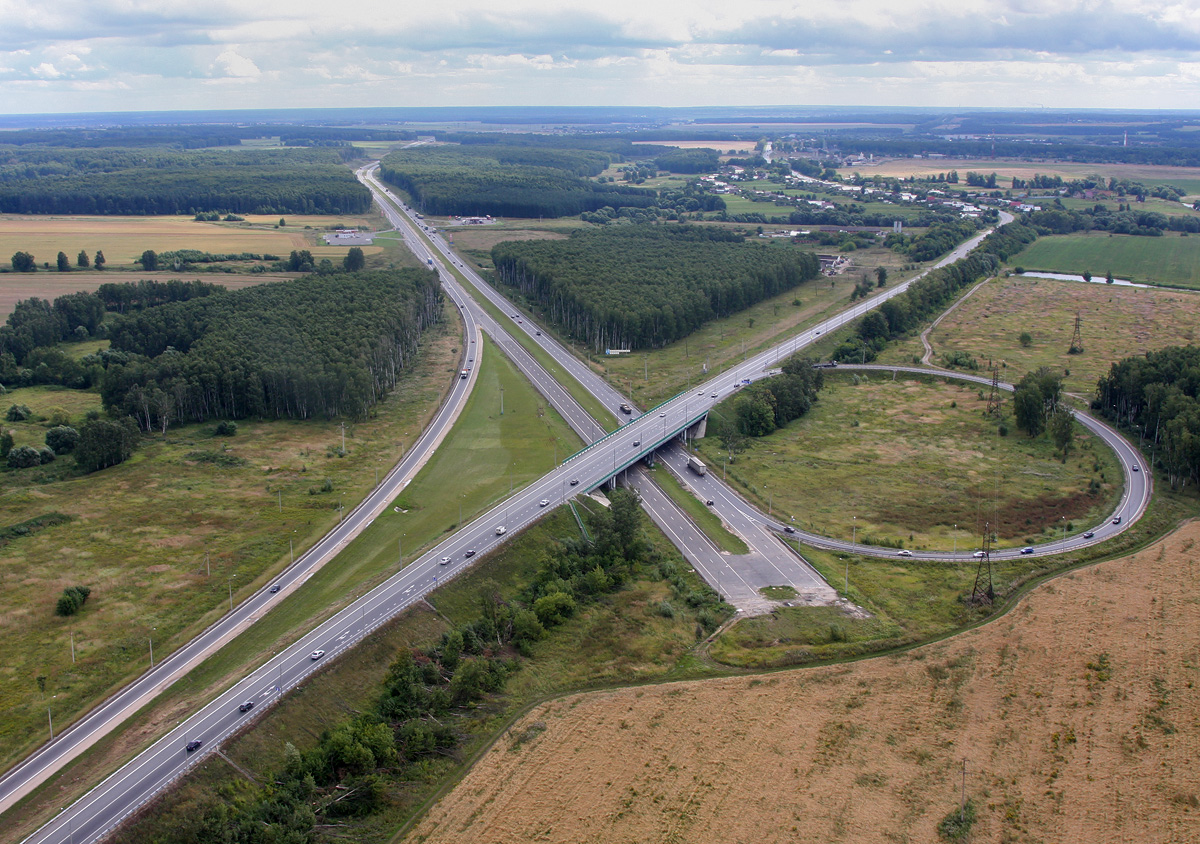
(232,64)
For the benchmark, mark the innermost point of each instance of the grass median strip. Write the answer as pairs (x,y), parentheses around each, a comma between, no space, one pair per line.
(706,519)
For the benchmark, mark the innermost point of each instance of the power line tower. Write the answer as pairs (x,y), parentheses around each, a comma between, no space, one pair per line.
(993,405)
(1076,338)
(983,592)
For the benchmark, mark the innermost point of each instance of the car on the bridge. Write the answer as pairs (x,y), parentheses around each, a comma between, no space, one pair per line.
(315,655)
(977,554)
(637,442)
(1028,549)
(246,706)
(194,744)
(574,481)
(714,395)
(904,552)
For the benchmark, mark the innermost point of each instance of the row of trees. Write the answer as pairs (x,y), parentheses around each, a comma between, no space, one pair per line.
(1158,396)
(144,181)
(773,402)
(316,346)
(505,182)
(25,262)
(646,286)
(1102,218)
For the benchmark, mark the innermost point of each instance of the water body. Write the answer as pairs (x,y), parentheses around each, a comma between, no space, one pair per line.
(1096,279)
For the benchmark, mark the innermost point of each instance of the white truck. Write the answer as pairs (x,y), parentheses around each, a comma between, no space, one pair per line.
(697,466)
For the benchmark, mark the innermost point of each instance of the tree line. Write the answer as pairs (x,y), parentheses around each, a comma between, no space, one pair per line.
(1157,397)
(165,181)
(316,346)
(639,287)
(507,181)
(772,403)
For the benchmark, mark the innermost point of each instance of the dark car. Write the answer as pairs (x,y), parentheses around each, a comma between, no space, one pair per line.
(193,745)
(637,442)
(246,707)
(470,552)
(789,529)
(274,588)
(1028,549)
(626,409)
(1089,534)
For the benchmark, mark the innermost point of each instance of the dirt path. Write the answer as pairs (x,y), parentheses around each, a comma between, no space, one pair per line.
(926,358)
(1078,715)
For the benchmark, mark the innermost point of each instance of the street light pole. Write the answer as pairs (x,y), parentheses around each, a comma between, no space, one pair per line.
(955,541)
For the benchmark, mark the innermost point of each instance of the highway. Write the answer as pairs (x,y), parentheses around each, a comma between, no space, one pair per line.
(136,783)
(76,738)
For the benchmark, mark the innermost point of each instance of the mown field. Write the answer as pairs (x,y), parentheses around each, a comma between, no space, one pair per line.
(1170,260)
(122,239)
(917,464)
(1074,714)
(140,534)
(1116,322)
(1187,178)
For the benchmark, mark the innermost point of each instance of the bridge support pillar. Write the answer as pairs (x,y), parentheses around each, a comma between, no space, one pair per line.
(698,430)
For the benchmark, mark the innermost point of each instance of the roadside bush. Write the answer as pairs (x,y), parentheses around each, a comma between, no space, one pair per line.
(72,600)
(225,428)
(62,439)
(24,457)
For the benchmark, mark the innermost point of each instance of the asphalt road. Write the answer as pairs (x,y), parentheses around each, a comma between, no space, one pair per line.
(76,738)
(136,783)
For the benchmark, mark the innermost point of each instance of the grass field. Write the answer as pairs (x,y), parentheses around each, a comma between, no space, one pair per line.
(903,462)
(124,238)
(1186,178)
(1169,260)
(140,533)
(1117,322)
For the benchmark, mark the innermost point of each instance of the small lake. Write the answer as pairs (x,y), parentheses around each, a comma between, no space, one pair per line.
(1096,279)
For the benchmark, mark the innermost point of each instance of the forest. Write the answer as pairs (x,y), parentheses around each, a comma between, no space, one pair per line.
(635,287)
(317,346)
(38,180)
(1157,395)
(508,181)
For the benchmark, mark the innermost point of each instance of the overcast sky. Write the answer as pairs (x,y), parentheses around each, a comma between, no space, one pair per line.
(123,55)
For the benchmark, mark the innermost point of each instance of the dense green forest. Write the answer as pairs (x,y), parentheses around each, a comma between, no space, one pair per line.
(316,346)
(508,181)
(40,180)
(1157,395)
(635,287)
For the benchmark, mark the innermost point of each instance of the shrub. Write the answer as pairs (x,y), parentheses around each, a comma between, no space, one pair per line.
(45,455)
(225,428)
(18,413)
(24,457)
(62,439)
(72,600)
(1026,339)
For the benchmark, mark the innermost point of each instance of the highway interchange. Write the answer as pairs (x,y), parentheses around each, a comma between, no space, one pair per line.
(609,455)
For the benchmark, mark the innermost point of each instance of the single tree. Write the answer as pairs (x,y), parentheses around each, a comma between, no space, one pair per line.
(82,260)
(6,443)
(1062,431)
(1087,275)
(1026,339)
(62,439)
(64,263)
(1108,278)
(149,260)
(881,276)
(354,260)
(99,262)
(23,262)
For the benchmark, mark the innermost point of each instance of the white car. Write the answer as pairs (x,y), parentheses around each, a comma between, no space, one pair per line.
(445,561)
(977,554)
(315,655)
(904,552)
(543,502)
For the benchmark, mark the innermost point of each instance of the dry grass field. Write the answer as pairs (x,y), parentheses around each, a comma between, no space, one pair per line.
(1076,714)
(124,238)
(904,167)
(1117,322)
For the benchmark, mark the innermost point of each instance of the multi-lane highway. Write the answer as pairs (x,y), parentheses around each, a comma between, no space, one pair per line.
(72,741)
(103,807)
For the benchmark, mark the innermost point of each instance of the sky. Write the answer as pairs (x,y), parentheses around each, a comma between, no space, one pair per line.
(146,55)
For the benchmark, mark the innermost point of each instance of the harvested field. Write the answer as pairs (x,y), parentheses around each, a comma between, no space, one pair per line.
(1076,714)
(50,285)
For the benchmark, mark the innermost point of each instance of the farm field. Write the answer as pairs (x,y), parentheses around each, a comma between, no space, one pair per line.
(902,462)
(1187,178)
(1169,260)
(14,287)
(1075,714)
(124,238)
(145,534)
(1117,322)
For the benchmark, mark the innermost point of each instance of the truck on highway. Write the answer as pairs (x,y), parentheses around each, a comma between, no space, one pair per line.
(462,374)
(697,466)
